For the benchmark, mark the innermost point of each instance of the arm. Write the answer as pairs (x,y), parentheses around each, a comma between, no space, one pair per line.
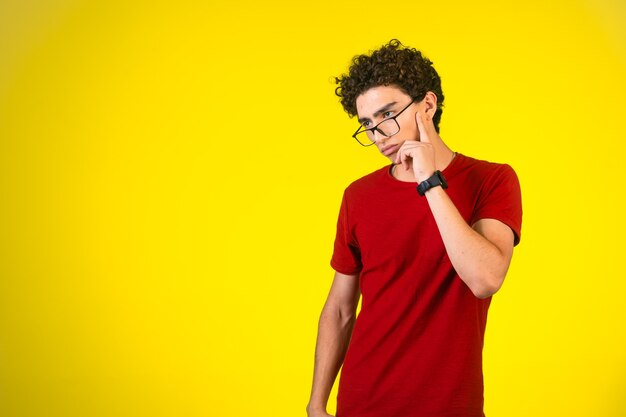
(335,329)
(480,254)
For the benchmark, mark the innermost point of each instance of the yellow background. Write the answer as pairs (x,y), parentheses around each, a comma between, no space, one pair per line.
(171,173)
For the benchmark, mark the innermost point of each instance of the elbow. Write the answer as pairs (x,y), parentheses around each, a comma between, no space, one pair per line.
(343,316)
(484,293)
(487,286)
(347,318)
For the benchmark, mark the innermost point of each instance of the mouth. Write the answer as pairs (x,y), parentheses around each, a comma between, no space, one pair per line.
(389,149)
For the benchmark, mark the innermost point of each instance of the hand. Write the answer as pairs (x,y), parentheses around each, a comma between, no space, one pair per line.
(317,411)
(418,154)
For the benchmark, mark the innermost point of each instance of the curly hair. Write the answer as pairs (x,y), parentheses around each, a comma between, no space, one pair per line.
(392,64)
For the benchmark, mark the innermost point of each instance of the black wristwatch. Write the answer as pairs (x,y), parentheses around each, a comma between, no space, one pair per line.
(436,179)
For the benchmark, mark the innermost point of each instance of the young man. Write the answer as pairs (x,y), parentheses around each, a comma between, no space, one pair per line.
(426,241)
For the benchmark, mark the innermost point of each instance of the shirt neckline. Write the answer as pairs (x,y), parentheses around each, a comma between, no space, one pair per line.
(448,171)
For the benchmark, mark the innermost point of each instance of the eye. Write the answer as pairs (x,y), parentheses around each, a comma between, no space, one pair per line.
(366,124)
(387,114)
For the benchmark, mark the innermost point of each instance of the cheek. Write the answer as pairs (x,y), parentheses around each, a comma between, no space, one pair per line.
(411,132)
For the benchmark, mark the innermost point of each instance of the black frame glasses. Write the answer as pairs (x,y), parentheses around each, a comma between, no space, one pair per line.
(365,132)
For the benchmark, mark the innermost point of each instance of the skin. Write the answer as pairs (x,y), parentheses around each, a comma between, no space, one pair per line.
(480,253)
(335,328)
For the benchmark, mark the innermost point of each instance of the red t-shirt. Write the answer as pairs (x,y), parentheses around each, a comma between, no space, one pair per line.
(416,347)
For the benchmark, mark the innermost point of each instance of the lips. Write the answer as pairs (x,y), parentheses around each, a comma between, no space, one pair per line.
(389,149)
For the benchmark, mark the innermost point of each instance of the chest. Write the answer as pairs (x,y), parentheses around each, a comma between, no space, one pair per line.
(397,223)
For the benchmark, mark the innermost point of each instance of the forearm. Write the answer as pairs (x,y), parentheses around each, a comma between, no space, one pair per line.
(332,343)
(479,263)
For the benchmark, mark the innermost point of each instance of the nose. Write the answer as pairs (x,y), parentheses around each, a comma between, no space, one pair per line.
(379,137)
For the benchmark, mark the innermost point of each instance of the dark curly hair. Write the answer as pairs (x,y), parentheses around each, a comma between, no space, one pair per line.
(392,64)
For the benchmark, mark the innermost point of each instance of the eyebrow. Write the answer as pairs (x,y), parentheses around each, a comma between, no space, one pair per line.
(378,112)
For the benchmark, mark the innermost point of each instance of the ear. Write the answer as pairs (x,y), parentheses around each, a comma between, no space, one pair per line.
(430,105)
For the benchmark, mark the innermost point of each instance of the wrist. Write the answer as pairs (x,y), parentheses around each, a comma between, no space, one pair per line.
(311,407)
(435,180)
(423,177)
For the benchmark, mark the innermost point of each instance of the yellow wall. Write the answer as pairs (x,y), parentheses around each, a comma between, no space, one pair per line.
(171,173)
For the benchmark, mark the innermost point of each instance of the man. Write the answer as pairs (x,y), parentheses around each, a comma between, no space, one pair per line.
(426,241)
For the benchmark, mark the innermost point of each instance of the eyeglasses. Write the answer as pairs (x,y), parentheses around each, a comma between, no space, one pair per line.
(387,128)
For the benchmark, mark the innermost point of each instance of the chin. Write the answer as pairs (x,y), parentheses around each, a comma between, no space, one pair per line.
(391,158)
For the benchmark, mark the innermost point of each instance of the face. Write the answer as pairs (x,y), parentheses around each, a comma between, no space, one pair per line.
(380,103)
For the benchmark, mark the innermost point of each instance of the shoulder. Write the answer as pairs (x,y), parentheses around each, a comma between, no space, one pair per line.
(483,166)
(479,170)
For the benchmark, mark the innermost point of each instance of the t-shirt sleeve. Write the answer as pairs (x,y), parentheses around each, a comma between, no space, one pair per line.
(501,199)
(346,257)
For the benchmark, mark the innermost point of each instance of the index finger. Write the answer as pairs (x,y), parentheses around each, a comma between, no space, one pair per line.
(420,126)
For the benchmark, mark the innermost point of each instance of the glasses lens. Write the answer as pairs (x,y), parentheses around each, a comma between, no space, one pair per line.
(365,138)
(389,127)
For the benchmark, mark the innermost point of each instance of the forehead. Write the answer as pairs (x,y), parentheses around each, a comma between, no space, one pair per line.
(376,97)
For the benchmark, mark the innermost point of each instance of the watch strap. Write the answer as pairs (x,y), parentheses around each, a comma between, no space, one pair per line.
(437,179)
